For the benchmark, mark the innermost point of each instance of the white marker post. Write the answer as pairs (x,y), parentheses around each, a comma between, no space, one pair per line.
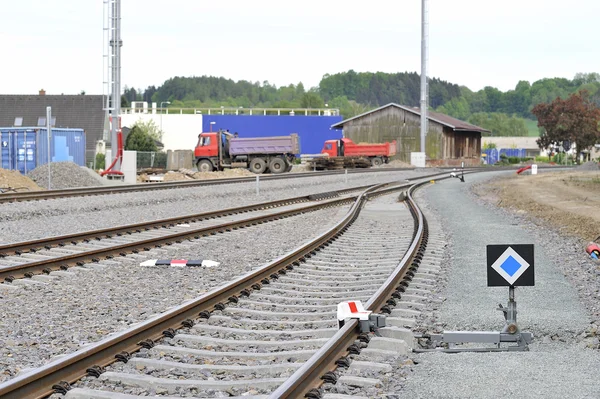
(346,175)
(257,184)
(48,127)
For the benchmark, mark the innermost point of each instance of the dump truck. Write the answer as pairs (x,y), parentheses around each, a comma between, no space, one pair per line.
(222,150)
(344,153)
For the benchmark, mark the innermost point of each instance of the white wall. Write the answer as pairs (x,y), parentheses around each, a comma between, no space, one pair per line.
(180,131)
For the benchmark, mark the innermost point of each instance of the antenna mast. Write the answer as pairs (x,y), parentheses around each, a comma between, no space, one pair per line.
(424,61)
(112,72)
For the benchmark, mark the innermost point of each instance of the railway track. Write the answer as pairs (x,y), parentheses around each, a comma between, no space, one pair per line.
(36,258)
(271,311)
(30,258)
(87,191)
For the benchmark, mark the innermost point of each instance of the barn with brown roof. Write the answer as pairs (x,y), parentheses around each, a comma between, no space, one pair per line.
(449,141)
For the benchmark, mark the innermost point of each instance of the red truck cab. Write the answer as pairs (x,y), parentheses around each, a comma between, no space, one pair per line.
(334,148)
(207,145)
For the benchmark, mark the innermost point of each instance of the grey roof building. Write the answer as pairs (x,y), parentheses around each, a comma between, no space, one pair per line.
(68,111)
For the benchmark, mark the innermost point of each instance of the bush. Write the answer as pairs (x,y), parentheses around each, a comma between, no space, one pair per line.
(100,161)
(540,158)
(513,160)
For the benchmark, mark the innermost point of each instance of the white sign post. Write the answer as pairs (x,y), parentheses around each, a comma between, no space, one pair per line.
(534,169)
(48,127)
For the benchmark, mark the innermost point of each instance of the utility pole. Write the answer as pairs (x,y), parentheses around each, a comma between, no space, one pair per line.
(424,51)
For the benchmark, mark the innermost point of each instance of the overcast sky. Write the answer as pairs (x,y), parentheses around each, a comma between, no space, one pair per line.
(57,45)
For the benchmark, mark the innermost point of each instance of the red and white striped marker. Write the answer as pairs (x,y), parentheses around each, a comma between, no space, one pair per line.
(180,263)
(352,310)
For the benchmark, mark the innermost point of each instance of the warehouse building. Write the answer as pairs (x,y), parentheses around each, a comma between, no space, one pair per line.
(449,141)
(68,111)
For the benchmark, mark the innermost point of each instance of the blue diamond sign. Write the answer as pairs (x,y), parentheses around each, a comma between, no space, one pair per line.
(510,265)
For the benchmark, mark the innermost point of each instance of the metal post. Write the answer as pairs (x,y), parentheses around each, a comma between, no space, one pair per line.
(48,133)
(424,37)
(257,184)
(115,44)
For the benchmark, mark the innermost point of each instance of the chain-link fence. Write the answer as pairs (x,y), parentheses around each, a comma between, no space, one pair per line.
(151,160)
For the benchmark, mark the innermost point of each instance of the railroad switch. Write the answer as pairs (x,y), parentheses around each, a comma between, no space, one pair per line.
(368,321)
(511,333)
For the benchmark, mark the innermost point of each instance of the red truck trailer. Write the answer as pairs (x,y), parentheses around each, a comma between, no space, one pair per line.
(221,150)
(353,154)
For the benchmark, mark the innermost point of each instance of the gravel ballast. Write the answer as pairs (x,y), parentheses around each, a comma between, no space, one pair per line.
(62,175)
(561,360)
(38,219)
(42,321)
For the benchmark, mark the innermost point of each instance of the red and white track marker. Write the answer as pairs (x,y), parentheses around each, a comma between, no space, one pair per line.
(180,263)
(352,310)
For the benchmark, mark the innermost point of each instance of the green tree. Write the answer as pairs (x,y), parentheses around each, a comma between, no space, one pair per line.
(312,99)
(138,140)
(149,128)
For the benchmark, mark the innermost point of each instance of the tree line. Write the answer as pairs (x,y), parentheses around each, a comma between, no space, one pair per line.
(356,92)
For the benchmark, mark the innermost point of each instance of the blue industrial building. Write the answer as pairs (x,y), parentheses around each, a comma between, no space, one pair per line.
(312,130)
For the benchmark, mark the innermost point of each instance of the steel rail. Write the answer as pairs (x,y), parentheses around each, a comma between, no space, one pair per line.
(10,273)
(29,269)
(308,377)
(78,192)
(47,243)
(39,382)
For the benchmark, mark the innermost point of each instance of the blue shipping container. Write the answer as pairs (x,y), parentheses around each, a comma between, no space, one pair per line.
(18,149)
(23,149)
(312,130)
(492,155)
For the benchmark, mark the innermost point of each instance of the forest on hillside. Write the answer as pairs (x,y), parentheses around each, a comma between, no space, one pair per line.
(505,113)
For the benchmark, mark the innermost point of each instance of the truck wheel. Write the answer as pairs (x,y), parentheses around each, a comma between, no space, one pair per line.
(277,165)
(205,166)
(376,161)
(258,165)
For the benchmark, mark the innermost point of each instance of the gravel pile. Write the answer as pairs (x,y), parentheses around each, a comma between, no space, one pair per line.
(42,321)
(63,175)
(38,219)
(591,165)
(554,310)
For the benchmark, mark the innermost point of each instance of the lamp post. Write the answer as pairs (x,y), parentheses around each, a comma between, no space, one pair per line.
(161,112)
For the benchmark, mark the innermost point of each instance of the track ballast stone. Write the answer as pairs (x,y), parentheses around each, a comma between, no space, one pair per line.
(44,320)
(24,221)
(63,175)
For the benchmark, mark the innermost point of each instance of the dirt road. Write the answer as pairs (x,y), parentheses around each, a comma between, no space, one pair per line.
(568,200)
